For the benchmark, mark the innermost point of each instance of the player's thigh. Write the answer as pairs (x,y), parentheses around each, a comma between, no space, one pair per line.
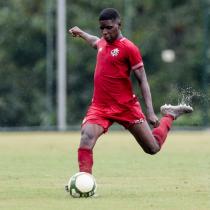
(144,137)
(89,135)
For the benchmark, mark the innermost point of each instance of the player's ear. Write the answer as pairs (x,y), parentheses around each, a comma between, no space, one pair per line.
(118,22)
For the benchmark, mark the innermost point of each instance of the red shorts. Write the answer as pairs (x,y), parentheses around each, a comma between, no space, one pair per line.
(125,115)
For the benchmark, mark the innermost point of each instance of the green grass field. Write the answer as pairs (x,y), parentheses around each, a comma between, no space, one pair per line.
(34,167)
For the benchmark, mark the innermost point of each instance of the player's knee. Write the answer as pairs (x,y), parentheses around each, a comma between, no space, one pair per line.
(87,139)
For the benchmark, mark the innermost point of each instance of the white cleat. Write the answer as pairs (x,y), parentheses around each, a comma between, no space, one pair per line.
(175,111)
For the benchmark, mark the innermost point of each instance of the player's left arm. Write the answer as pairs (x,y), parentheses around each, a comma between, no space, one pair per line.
(90,39)
(145,90)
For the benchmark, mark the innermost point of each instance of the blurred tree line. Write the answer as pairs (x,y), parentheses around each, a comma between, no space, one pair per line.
(152,25)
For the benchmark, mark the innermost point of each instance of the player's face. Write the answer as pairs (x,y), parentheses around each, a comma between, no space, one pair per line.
(110,29)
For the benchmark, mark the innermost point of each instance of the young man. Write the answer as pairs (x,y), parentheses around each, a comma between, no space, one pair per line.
(113,98)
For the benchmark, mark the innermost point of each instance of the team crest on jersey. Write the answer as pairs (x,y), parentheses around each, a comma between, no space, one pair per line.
(115,52)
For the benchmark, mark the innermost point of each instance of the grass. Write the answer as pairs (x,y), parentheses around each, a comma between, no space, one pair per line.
(34,167)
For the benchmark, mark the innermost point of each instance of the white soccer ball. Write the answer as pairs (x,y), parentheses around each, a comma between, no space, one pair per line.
(82,184)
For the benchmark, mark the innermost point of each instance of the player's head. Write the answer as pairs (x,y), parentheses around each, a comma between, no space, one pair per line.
(109,21)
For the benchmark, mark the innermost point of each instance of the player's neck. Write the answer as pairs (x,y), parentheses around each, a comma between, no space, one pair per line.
(120,36)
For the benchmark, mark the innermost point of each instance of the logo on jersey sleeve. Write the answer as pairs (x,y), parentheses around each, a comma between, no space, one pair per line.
(115,52)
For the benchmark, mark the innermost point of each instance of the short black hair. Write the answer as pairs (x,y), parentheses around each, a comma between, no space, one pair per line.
(109,14)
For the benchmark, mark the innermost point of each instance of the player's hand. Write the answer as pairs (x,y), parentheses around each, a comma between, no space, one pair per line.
(75,31)
(153,119)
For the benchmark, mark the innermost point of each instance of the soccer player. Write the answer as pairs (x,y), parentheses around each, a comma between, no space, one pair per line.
(113,98)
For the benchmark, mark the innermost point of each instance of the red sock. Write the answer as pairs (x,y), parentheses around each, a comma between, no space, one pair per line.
(160,133)
(85,160)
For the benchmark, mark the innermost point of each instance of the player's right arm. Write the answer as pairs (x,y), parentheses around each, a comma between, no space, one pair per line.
(90,39)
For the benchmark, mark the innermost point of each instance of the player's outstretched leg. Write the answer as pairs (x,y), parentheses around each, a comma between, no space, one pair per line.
(152,141)
(170,113)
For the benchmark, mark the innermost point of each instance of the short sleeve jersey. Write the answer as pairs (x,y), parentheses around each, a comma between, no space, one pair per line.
(115,61)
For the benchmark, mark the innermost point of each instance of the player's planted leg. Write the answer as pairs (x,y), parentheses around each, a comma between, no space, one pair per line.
(89,135)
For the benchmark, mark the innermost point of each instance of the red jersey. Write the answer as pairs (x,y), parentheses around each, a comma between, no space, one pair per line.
(115,61)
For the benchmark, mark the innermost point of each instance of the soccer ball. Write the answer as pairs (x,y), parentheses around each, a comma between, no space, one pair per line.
(81,184)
